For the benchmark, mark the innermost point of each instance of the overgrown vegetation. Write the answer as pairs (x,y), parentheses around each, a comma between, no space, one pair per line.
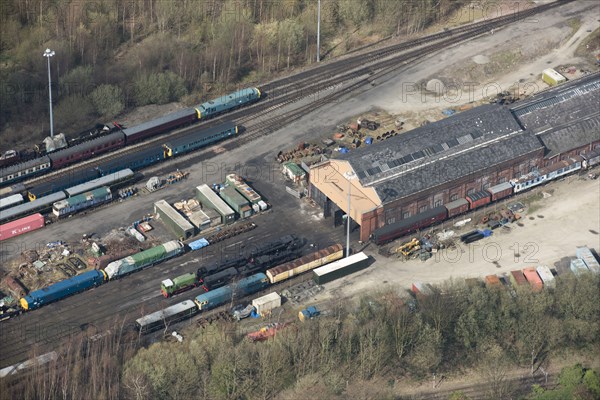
(367,348)
(575,382)
(113,55)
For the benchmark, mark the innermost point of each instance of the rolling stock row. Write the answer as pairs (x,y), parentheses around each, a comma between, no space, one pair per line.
(475,200)
(324,263)
(44,195)
(259,259)
(127,136)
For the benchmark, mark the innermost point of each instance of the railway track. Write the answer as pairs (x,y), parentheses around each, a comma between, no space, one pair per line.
(286,91)
(47,331)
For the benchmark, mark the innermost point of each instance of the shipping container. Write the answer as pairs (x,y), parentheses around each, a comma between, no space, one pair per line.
(546,276)
(240,185)
(492,281)
(478,199)
(62,289)
(340,268)
(21,226)
(266,303)
(181,227)
(533,278)
(562,269)
(457,207)
(586,255)
(170,287)
(82,201)
(578,267)
(210,199)
(143,259)
(236,201)
(517,278)
(552,77)
(11,201)
(501,191)
(306,263)
(473,282)
(387,233)
(163,318)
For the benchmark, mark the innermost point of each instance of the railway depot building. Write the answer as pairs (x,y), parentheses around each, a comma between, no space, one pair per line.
(459,156)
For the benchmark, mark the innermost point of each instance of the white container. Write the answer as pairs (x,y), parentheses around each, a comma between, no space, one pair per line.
(267,303)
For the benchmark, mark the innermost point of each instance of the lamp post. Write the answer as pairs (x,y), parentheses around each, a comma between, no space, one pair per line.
(49,53)
(319,32)
(350,175)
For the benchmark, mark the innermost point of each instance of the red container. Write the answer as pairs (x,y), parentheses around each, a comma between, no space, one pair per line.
(517,278)
(478,199)
(492,280)
(533,278)
(21,226)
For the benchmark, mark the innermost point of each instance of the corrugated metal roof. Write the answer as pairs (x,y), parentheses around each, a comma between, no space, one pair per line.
(500,187)
(215,200)
(344,262)
(165,119)
(172,213)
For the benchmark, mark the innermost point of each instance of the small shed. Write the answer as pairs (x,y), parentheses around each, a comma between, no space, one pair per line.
(294,172)
(173,220)
(266,303)
(236,201)
(209,198)
(552,77)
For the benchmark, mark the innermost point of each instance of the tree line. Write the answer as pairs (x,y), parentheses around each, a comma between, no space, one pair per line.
(112,55)
(370,346)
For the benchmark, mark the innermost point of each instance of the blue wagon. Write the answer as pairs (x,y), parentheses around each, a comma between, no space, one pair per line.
(62,289)
(222,295)
(200,138)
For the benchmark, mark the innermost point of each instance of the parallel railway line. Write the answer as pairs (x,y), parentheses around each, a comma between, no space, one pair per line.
(288,90)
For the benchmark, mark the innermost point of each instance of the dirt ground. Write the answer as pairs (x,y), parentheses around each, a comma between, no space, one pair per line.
(560,223)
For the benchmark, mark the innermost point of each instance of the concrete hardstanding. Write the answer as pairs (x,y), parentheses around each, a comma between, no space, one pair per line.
(181,227)
(210,199)
(340,268)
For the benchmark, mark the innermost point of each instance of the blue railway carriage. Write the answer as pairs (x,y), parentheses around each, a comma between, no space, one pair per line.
(39,205)
(199,139)
(132,161)
(62,289)
(61,182)
(222,295)
(24,170)
(228,102)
